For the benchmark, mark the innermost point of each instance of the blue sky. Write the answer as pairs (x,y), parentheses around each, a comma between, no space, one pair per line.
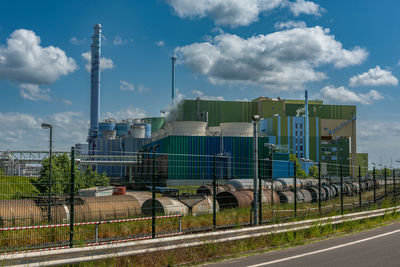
(343,52)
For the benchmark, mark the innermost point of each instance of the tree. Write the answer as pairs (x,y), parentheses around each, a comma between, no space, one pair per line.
(313,171)
(300,173)
(61,176)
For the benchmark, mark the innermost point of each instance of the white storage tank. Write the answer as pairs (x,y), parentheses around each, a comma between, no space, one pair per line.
(244,129)
(138,131)
(186,128)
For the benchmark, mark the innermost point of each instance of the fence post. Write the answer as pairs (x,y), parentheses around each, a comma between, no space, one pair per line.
(260,197)
(153,192)
(72,199)
(385,181)
(373,175)
(394,186)
(295,189)
(272,185)
(214,195)
(341,189)
(319,188)
(359,184)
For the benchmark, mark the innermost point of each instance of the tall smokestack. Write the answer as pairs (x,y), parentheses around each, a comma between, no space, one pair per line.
(95,85)
(173,59)
(306,127)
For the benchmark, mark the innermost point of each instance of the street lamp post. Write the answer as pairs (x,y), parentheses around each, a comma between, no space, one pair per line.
(50,127)
(255,167)
(271,148)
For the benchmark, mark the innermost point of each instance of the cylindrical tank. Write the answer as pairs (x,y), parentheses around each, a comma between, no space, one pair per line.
(140,196)
(122,128)
(187,128)
(235,199)
(306,195)
(90,209)
(241,184)
(138,131)
(356,187)
(208,189)
(314,193)
(204,206)
(148,130)
(155,136)
(166,206)
(278,186)
(19,212)
(244,129)
(108,125)
(266,197)
(286,197)
(327,192)
(288,182)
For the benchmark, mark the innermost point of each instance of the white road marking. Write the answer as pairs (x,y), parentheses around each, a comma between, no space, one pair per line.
(323,250)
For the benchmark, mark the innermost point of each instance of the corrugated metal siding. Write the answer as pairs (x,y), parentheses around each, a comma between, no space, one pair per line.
(218,111)
(192,157)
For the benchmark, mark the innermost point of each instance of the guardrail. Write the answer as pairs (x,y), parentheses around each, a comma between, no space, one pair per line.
(97,223)
(102,251)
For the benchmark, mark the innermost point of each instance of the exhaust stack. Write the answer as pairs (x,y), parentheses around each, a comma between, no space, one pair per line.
(95,87)
(173,59)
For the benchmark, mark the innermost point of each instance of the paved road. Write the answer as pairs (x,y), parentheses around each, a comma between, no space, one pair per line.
(377,247)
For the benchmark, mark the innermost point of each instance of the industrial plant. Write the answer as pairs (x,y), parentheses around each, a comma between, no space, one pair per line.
(308,129)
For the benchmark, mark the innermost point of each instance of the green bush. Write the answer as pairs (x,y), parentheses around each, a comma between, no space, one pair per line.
(61,176)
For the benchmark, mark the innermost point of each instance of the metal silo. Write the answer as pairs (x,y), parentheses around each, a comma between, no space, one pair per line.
(123,128)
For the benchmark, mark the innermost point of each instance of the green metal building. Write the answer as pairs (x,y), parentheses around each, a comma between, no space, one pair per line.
(329,125)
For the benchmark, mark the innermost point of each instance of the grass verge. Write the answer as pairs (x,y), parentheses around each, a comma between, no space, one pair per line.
(221,251)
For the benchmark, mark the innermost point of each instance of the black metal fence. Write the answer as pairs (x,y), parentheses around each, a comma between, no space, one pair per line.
(90,200)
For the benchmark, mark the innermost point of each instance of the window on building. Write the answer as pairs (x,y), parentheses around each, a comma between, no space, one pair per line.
(322,149)
(296,132)
(301,155)
(301,141)
(322,157)
(296,125)
(301,147)
(301,126)
(296,148)
(301,133)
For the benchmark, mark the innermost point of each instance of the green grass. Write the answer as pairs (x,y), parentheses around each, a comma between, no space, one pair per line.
(14,187)
(221,251)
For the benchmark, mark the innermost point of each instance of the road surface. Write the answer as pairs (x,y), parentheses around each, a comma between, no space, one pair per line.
(376,247)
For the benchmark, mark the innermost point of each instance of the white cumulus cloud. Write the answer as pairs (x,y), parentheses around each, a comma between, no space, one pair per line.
(22,59)
(23,131)
(34,92)
(105,63)
(238,12)
(305,7)
(201,95)
(291,24)
(344,95)
(126,86)
(374,77)
(75,41)
(282,60)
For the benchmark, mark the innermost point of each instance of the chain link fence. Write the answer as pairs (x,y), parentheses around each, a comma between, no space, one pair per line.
(87,200)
